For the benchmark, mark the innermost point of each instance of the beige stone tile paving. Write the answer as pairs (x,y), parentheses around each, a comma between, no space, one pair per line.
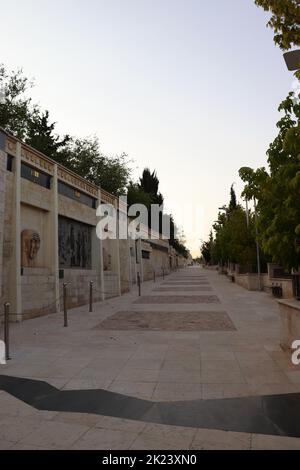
(159,365)
(55,435)
(208,439)
(110,439)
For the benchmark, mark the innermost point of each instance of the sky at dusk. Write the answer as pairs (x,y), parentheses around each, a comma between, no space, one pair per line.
(187,87)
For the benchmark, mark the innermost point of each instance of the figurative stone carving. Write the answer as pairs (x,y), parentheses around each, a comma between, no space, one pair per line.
(74,239)
(30,246)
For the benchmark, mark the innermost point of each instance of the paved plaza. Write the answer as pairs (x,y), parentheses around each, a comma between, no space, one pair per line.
(194,363)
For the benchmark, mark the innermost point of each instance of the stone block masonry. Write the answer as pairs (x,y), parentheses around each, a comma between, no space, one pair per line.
(48,237)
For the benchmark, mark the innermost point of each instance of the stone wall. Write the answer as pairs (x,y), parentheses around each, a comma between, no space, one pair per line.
(124,253)
(250,281)
(285,284)
(37,290)
(148,263)
(75,210)
(111,284)
(160,261)
(78,286)
(132,262)
(40,250)
(289,312)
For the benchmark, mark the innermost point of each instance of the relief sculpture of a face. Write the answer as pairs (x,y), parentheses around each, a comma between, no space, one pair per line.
(30,246)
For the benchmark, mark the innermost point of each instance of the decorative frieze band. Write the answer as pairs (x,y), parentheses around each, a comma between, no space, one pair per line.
(107,198)
(46,165)
(10,146)
(36,160)
(72,180)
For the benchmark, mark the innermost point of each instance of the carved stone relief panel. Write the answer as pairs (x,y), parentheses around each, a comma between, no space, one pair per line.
(30,245)
(74,242)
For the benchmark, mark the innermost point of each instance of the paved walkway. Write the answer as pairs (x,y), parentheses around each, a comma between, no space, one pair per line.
(193,336)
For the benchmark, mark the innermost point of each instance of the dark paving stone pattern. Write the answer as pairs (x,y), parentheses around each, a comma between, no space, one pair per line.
(168,321)
(188,278)
(273,415)
(184,288)
(194,278)
(177,299)
(183,283)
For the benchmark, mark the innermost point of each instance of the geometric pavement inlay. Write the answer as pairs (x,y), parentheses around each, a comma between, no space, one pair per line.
(178,299)
(184,283)
(183,288)
(167,321)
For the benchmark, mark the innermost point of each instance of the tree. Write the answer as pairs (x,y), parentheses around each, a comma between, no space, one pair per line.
(277,190)
(136,195)
(23,119)
(234,239)
(285,21)
(147,192)
(40,134)
(84,157)
(149,183)
(176,243)
(26,121)
(207,249)
(16,108)
(233,203)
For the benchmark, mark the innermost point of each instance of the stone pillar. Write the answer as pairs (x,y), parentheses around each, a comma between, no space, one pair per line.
(54,239)
(15,273)
(124,251)
(118,267)
(140,258)
(271,269)
(129,263)
(100,261)
(3,157)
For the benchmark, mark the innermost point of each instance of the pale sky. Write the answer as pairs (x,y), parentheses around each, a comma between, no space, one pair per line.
(187,87)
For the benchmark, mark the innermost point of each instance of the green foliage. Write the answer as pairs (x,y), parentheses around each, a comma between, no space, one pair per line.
(147,192)
(84,157)
(234,239)
(26,121)
(23,119)
(277,190)
(207,249)
(233,203)
(40,134)
(175,242)
(135,194)
(149,183)
(284,21)
(15,108)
